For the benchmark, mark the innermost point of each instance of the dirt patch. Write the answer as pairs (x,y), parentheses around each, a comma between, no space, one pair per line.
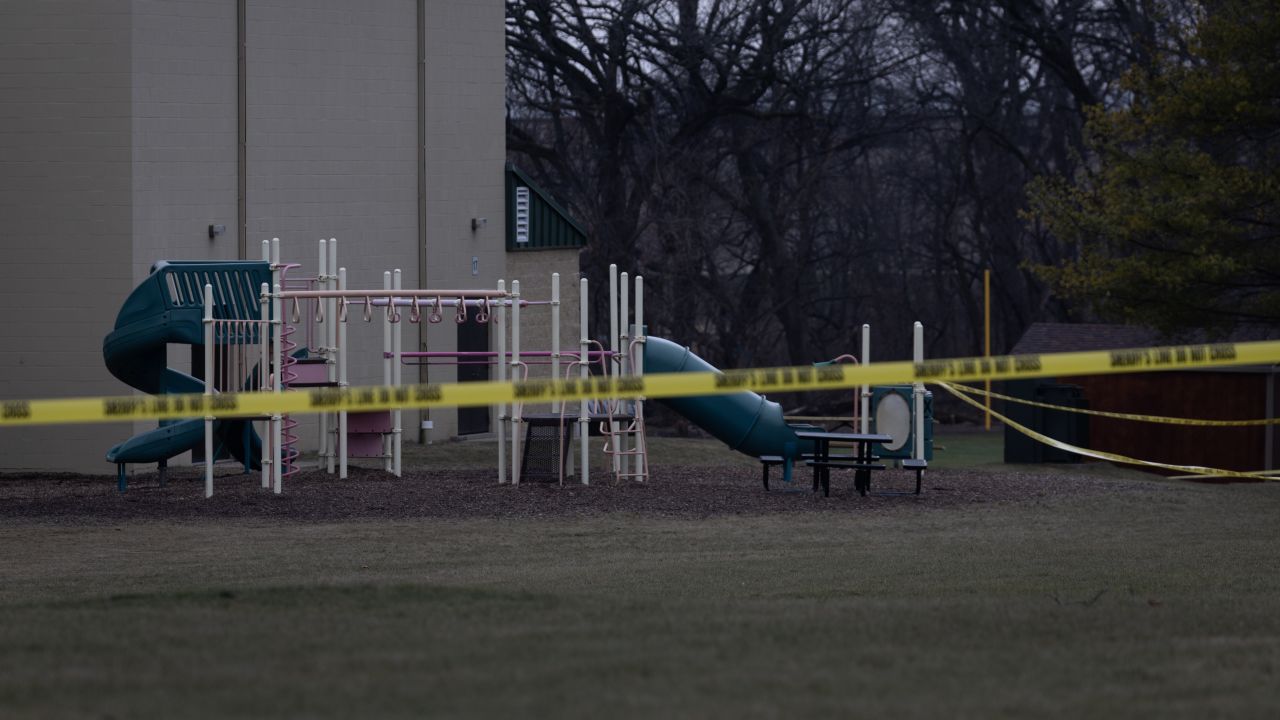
(681,491)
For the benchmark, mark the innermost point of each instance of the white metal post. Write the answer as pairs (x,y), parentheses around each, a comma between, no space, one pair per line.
(612,369)
(268,437)
(340,341)
(331,343)
(637,368)
(264,370)
(500,410)
(555,334)
(277,352)
(208,389)
(515,375)
(277,355)
(387,443)
(621,441)
(584,350)
(397,345)
(864,407)
(322,274)
(917,390)
(613,309)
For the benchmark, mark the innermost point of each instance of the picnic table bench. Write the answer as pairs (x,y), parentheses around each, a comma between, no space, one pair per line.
(862,463)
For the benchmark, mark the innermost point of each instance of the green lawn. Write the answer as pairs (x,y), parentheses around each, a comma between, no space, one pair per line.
(1159,600)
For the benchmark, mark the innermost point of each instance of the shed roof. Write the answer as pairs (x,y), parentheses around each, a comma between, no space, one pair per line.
(1050,337)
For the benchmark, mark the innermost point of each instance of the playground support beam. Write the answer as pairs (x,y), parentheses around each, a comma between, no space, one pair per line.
(917,392)
(864,406)
(341,343)
(387,448)
(321,279)
(208,389)
(331,341)
(500,410)
(624,345)
(264,371)
(397,343)
(637,368)
(584,429)
(555,334)
(515,370)
(613,346)
(278,353)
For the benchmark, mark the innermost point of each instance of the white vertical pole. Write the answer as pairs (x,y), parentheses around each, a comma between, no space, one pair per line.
(584,348)
(264,370)
(515,375)
(387,442)
(277,355)
(500,410)
(621,441)
(208,389)
(397,344)
(864,407)
(269,438)
(637,368)
(322,281)
(613,349)
(917,356)
(555,334)
(277,425)
(613,310)
(340,341)
(331,341)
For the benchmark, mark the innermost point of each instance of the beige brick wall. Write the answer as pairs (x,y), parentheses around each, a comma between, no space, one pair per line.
(65,206)
(118,139)
(534,269)
(332,147)
(184,131)
(466,151)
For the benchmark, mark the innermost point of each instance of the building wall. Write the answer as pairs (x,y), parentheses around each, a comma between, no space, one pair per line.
(184,131)
(534,269)
(118,134)
(466,152)
(332,146)
(65,205)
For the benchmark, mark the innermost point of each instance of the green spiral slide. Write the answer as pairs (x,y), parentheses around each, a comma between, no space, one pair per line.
(168,307)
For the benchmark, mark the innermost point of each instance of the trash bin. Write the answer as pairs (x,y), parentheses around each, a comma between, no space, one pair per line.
(1068,427)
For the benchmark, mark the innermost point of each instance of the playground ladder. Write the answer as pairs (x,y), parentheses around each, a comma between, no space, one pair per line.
(634,428)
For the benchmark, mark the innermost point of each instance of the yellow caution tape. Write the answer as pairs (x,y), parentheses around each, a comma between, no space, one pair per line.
(1195,470)
(1119,415)
(786,379)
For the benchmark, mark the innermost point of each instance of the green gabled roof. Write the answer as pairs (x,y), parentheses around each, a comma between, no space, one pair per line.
(550,225)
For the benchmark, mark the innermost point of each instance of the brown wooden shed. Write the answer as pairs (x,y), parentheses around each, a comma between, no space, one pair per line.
(1243,393)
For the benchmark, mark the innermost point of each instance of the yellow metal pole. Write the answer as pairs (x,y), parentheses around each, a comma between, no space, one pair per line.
(986,311)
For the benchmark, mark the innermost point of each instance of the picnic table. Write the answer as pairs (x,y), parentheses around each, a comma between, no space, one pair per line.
(862,462)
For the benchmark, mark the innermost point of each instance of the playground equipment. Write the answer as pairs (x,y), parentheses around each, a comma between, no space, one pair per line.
(262,329)
(173,306)
(380,434)
(753,425)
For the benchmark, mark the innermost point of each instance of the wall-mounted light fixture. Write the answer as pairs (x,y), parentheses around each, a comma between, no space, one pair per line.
(216,230)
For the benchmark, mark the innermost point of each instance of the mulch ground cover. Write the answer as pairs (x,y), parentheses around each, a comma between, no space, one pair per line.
(681,491)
